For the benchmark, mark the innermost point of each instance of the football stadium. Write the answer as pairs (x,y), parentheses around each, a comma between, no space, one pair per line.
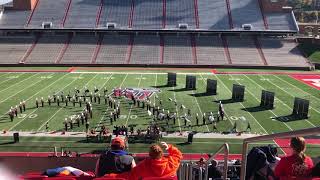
(156,90)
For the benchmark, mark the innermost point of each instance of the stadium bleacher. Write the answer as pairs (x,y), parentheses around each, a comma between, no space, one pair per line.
(280,21)
(82,14)
(180,13)
(80,50)
(246,12)
(14,19)
(177,50)
(148,15)
(46,50)
(215,15)
(217,11)
(12,49)
(116,12)
(152,50)
(243,51)
(113,50)
(210,50)
(282,53)
(48,11)
(146,49)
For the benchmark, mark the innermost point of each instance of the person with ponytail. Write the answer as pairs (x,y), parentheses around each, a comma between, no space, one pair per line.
(297,165)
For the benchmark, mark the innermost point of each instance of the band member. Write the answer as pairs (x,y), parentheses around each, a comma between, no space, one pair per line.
(66,124)
(49,100)
(42,102)
(37,103)
(80,102)
(47,126)
(20,107)
(16,111)
(197,119)
(11,115)
(24,105)
(204,119)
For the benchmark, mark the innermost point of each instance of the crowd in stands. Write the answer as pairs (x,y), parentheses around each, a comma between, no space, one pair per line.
(294,166)
(263,163)
(118,163)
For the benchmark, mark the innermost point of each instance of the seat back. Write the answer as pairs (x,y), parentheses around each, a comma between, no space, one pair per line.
(108,178)
(161,178)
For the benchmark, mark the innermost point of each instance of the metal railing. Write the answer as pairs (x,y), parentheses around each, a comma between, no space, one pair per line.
(187,170)
(302,132)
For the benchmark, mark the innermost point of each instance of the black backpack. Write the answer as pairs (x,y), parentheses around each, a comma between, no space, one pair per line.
(258,163)
(112,163)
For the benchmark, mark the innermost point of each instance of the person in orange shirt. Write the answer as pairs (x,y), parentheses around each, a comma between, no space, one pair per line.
(157,165)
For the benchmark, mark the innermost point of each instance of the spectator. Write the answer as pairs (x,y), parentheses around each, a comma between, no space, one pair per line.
(296,165)
(316,170)
(201,162)
(213,171)
(156,165)
(116,160)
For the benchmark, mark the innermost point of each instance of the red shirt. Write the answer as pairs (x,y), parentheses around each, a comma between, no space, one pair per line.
(289,168)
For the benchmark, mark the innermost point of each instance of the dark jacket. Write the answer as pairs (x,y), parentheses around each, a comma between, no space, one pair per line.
(114,162)
(258,158)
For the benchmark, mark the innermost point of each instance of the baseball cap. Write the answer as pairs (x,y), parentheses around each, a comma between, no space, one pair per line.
(118,141)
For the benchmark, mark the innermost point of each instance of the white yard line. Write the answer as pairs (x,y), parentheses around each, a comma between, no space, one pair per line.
(18,82)
(259,100)
(22,90)
(243,106)
(62,108)
(227,116)
(4,74)
(132,104)
(155,85)
(296,87)
(199,108)
(123,80)
(136,73)
(291,96)
(49,119)
(8,79)
(21,120)
(104,114)
(178,117)
(42,90)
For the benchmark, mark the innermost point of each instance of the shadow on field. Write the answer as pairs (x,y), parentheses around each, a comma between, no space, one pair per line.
(226,101)
(162,86)
(7,143)
(288,118)
(4,120)
(180,90)
(183,144)
(256,109)
(202,94)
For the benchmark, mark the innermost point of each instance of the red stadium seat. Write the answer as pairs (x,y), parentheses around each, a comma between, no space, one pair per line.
(161,178)
(39,176)
(60,178)
(33,176)
(108,178)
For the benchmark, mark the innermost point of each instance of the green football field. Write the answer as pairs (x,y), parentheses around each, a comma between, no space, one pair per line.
(15,87)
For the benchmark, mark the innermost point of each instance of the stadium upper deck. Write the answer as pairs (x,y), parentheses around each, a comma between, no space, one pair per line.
(198,15)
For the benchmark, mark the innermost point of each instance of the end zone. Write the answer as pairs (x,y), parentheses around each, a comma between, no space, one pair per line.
(311,80)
